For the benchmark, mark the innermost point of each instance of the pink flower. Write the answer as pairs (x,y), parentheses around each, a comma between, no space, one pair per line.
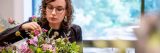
(33,17)
(36,32)
(29,51)
(48,47)
(53,50)
(11,21)
(44,30)
(33,41)
(24,48)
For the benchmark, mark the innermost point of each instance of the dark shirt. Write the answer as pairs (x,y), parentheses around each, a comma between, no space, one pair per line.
(9,36)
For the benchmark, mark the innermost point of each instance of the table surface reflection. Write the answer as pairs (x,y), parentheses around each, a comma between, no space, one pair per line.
(106,50)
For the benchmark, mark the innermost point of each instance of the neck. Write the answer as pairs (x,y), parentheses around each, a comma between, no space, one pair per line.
(55,26)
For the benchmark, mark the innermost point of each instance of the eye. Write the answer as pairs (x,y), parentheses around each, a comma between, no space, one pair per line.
(49,7)
(60,9)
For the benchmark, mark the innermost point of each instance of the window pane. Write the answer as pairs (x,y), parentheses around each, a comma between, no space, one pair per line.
(107,19)
(152,5)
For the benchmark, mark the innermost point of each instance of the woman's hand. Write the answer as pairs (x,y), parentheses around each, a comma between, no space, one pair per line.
(31,26)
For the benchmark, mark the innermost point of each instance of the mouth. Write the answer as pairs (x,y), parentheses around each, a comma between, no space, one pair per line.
(53,19)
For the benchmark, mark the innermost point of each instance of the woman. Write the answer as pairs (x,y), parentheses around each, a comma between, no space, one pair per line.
(55,14)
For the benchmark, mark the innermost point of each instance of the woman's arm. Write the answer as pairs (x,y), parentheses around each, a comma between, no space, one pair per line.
(8,35)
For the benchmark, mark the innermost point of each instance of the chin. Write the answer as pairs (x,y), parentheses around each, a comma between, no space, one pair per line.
(53,22)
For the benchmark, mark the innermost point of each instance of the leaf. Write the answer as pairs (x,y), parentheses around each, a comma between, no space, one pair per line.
(4,51)
(9,50)
(40,41)
(32,47)
(39,50)
(47,51)
(49,31)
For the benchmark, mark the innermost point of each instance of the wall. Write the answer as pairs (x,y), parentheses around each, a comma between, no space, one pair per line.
(6,8)
(19,10)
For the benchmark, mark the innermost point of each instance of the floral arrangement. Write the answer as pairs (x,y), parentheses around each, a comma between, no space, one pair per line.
(41,43)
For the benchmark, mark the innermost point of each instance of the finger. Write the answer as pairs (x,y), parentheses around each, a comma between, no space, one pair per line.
(27,26)
(33,26)
(37,25)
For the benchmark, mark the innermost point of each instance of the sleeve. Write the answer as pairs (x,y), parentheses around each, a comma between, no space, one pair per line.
(78,36)
(8,35)
(78,33)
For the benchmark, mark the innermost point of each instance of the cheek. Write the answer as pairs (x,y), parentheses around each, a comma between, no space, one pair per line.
(62,16)
(47,17)
(46,14)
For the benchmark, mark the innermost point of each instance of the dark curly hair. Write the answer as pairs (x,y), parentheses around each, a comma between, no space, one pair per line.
(69,12)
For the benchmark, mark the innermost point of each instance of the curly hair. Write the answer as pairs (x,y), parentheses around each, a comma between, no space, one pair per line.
(69,12)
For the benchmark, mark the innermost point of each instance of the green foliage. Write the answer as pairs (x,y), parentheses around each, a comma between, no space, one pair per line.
(66,47)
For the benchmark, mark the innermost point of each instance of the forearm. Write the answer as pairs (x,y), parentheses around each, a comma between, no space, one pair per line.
(9,36)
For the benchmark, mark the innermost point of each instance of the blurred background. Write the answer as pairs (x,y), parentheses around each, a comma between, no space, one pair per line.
(108,26)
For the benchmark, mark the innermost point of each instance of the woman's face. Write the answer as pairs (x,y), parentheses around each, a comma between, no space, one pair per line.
(55,11)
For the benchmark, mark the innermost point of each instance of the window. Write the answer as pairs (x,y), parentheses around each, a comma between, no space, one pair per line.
(104,19)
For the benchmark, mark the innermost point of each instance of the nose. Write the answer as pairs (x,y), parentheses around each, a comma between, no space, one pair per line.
(53,12)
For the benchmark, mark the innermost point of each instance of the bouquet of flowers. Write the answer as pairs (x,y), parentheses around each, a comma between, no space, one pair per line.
(41,43)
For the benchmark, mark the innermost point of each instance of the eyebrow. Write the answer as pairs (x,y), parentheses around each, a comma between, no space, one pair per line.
(54,6)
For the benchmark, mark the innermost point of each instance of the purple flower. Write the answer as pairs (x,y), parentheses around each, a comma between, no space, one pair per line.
(48,47)
(33,41)
(44,30)
(11,21)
